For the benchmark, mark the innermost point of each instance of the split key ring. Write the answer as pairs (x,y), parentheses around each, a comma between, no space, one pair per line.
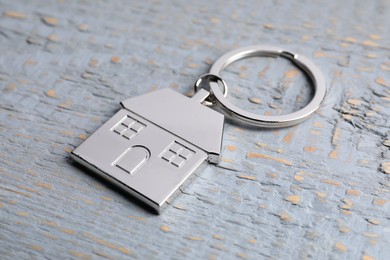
(218,97)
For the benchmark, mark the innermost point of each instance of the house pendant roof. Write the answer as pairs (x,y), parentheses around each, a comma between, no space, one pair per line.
(182,116)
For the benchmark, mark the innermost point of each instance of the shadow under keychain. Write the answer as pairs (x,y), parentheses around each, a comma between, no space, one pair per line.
(157,140)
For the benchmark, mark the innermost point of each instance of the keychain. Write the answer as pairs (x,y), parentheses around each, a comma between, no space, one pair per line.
(157,140)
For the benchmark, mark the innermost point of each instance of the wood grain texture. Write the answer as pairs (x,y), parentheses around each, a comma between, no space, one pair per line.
(317,190)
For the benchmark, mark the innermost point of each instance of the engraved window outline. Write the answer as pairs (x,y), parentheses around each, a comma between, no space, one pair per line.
(128,130)
(177,154)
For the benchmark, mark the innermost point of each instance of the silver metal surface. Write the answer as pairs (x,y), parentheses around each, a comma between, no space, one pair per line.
(204,82)
(301,61)
(153,145)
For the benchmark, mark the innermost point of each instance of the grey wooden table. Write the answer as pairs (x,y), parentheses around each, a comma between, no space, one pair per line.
(317,190)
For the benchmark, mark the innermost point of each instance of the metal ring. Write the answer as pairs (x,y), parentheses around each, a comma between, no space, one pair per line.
(301,61)
(210,78)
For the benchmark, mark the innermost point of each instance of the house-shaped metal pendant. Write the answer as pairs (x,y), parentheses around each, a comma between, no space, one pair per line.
(152,145)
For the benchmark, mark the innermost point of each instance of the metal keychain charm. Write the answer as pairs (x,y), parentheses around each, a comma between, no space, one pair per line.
(154,143)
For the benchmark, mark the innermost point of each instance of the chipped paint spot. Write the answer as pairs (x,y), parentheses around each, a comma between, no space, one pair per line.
(51,21)
(375,37)
(344,229)
(51,93)
(385,167)
(247,177)
(340,247)
(291,73)
(243,75)
(347,201)
(108,244)
(136,217)
(373,221)
(193,238)
(179,206)
(346,212)
(106,198)
(268,26)
(36,248)
(385,66)
(370,235)
(331,182)
(285,217)
(381,81)
(293,199)
(68,150)
(66,133)
(53,37)
(1,205)
(272,175)
(288,137)
(15,15)
(369,43)
(82,136)
(310,149)
(298,178)
(353,192)
(68,231)
(334,154)
(266,147)
(379,202)
(165,228)
(83,27)
(255,100)
(321,195)
(215,20)
(252,241)
(350,39)
(193,65)
(267,157)
(231,148)
(10,87)
(227,160)
(79,255)
(44,185)
(22,214)
(355,102)
(367,257)
(263,206)
(115,59)
(51,223)
(242,255)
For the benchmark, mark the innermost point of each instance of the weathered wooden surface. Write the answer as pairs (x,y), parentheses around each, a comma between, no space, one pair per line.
(318,190)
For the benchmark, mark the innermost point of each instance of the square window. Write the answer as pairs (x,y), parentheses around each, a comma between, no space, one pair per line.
(185,153)
(137,127)
(127,121)
(176,148)
(178,161)
(119,129)
(128,134)
(168,156)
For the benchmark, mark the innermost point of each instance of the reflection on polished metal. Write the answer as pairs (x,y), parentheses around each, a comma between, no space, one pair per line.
(301,61)
(204,81)
(154,144)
